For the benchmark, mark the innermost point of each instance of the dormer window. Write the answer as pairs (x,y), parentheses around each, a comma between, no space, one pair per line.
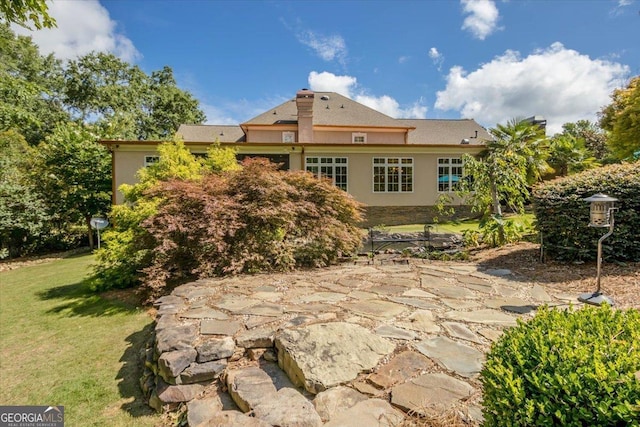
(359,138)
(288,137)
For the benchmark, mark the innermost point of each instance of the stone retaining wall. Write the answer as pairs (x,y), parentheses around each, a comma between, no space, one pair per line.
(333,345)
(400,215)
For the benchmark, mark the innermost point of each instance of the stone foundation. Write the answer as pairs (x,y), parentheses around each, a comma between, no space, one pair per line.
(401,215)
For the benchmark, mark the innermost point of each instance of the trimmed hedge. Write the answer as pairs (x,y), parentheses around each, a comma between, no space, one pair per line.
(562,215)
(568,368)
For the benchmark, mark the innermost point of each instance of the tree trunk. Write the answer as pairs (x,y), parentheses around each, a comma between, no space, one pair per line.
(497,210)
(89,231)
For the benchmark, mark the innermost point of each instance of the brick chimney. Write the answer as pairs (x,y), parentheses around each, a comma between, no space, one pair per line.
(304,102)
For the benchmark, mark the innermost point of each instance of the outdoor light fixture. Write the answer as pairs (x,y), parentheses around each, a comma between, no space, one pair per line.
(601,215)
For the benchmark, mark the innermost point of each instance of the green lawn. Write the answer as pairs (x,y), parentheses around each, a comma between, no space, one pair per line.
(60,344)
(452,226)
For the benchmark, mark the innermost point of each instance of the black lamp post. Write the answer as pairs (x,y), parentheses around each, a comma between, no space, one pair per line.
(601,215)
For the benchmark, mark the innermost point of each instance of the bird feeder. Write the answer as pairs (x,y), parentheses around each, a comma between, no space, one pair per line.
(601,210)
(601,215)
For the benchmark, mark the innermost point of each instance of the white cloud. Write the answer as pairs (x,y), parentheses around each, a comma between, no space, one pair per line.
(482,19)
(558,83)
(83,26)
(216,116)
(389,106)
(403,59)
(348,86)
(328,48)
(436,57)
(329,82)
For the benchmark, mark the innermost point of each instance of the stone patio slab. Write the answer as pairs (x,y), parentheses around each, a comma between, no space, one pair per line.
(462,359)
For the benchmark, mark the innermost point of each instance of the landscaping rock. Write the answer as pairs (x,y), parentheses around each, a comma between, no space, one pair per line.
(176,338)
(335,400)
(232,419)
(402,367)
(389,331)
(198,372)
(287,408)
(178,393)
(172,363)
(200,410)
(255,338)
(204,313)
(460,330)
(324,355)
(249,387)
(215,349)
(464,360)
(484,316)
(428,391)
(370,412)
(378,309)
(219,327)
(421,321)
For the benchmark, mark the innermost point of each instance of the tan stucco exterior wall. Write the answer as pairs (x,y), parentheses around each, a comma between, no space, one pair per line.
(129,159)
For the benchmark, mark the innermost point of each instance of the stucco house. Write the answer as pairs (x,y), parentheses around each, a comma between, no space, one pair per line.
(397,167)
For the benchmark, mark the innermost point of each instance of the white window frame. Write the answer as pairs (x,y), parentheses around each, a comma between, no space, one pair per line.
(288,137)
(395,182)
(449,167)
(334,168)
(149,160)
(358,135)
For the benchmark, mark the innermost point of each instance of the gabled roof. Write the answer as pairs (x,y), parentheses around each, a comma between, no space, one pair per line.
(446,131)
(211,133)
(329,109)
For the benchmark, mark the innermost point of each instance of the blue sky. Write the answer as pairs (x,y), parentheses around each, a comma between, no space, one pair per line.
(482,59)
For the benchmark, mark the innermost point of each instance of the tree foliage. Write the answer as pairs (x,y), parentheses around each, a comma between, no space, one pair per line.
(23,215)
(502,173)
(29,87)
(595,139)
(74,172)
(65,110)
(125,102)
(24,12)
(622,119)
(568,154)
(512,161)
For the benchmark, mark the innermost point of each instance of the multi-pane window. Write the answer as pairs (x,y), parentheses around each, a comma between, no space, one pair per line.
(359,138)
(392,174)
(333,168)
(449,173)
(149,160)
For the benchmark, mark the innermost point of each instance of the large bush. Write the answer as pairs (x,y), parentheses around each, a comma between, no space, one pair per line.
(127,245)
(255,219)
(568,368)
(563,216)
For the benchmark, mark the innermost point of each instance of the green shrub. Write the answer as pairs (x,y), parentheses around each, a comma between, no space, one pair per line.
(569,368)
(126,249)
(494,231)
(251,220)
(562,216)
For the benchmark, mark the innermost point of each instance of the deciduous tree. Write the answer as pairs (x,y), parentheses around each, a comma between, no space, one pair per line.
(74,175)
(622,119)
(25,12)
